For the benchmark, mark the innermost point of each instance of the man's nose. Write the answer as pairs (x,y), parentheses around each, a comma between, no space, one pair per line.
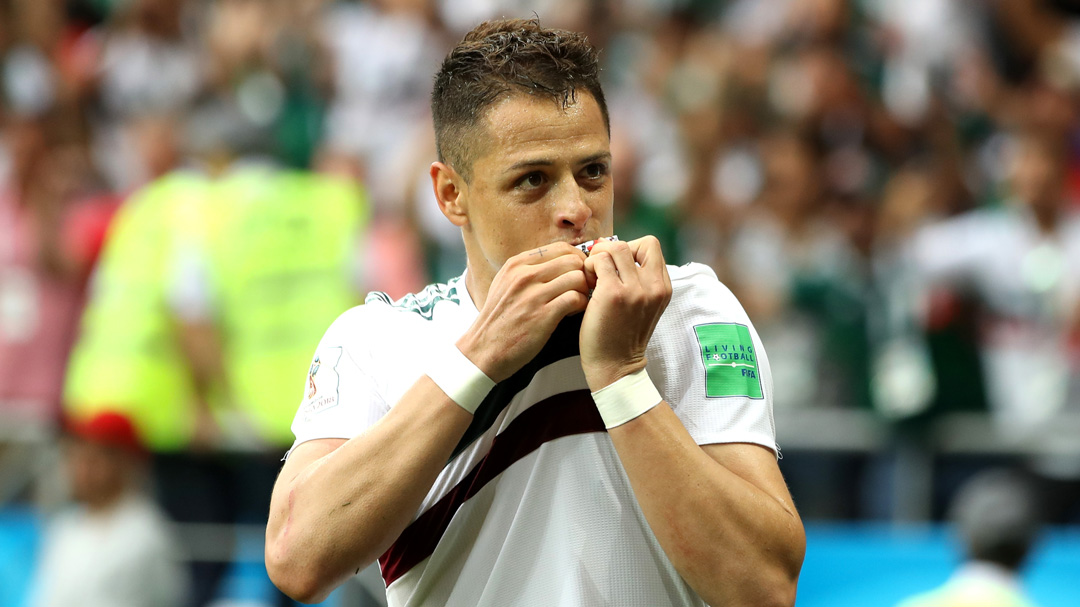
(573,211)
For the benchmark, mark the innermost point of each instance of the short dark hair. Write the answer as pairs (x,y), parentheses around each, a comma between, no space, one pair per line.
(997,517)
(503,56)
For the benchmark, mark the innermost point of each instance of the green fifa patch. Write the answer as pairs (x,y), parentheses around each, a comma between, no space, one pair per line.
(731,361)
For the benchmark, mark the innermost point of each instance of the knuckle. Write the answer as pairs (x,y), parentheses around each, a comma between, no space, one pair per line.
(564,250)
(570,262)
(516,260)
(523,276)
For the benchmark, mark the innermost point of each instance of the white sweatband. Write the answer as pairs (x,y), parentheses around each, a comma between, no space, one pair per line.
(462,381)
(626,398)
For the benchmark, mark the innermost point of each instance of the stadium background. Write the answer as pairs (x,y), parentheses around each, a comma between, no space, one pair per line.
(800,147)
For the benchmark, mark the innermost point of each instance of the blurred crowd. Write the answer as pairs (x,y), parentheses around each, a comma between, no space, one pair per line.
(191,189)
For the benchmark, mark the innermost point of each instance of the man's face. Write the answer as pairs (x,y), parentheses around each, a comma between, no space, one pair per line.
(542,174)
(1037,176)
(96,472)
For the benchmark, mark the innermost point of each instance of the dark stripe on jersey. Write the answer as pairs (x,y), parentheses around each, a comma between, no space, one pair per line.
(563,343)
(561,415)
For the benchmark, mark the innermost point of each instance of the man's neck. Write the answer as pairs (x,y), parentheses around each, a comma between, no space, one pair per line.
(1047,218)
(104,504)
(478,284)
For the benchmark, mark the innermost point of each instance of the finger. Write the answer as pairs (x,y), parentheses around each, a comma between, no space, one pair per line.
(552,268)
(603,266)
(600,250)
(649,257)
(667,283)
(624,261)
(570,281)
(548,252)
(568,303)
(646,251)
(590,274)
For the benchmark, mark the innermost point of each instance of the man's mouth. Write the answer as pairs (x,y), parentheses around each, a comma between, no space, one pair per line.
(586,247)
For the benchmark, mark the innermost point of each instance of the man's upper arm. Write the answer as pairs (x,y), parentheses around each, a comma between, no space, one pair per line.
(711,365)
(756,465)
(304,455)
(342,396)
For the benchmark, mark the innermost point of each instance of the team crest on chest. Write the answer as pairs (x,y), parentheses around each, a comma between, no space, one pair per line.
(312,388)
(322,387)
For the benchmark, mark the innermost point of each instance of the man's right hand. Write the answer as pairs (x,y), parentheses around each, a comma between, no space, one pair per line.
(530,294)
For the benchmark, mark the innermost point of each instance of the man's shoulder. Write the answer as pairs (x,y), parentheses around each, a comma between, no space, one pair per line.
(422,304)
(690,274)
(696,286)
(383,330)
(698,298)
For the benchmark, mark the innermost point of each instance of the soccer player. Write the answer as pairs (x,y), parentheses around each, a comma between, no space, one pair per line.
(551,427)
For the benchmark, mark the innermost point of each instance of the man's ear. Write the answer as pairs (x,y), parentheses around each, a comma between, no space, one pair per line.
(449,193)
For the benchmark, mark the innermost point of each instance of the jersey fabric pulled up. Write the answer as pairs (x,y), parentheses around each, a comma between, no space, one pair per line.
(534,507)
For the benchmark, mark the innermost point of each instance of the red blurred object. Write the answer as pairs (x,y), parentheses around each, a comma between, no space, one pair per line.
(1072,183)
(87,229)
(942,309)
(108,428)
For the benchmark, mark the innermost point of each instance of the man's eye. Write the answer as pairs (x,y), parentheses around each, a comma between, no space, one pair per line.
(595,171)
(531,181)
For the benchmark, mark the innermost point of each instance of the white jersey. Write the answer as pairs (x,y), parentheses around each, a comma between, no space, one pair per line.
(124,557)
(534,507)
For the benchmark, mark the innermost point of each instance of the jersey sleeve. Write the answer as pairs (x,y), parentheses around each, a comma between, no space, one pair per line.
(341,396)
(709,364)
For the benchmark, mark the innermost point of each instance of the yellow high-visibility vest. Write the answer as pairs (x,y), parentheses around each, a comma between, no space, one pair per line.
(282,248)
(969,593)
(127,357)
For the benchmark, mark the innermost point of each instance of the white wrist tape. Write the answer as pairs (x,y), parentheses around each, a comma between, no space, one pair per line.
(626,398)
(462,381)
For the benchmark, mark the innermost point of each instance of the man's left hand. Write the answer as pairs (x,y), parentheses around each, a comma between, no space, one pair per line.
(631,290)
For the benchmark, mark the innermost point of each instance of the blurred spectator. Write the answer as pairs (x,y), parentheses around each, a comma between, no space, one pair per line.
(392,257)
(1038,36)
(1022,262)
(128,356)
(634,213)
(267,79)
(146,65)
(149,61)
(384,55)
(113,548)
(276,256)
(995,519)
(52,224)
(794,267)
(42,268)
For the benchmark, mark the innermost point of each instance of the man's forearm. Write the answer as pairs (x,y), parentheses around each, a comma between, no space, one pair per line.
(343,510)
(734,542)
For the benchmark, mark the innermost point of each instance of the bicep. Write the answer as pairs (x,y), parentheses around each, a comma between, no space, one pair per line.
(301,459)
(756,465)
